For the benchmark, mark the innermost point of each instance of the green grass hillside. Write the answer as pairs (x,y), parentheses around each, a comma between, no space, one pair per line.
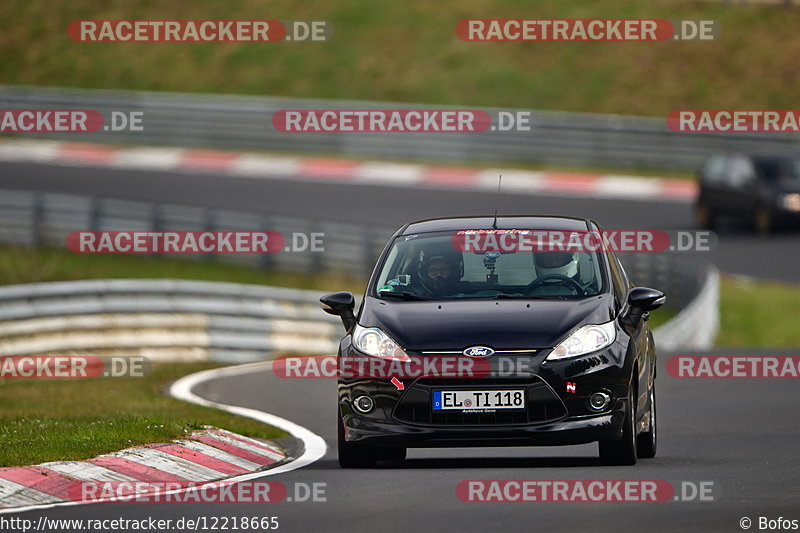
(408,51)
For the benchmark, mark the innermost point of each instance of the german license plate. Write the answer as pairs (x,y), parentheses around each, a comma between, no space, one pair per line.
(478,399)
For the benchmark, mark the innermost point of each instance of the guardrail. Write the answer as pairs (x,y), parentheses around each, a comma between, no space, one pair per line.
(245,122)
(164,319)
(34,218)
(691,285)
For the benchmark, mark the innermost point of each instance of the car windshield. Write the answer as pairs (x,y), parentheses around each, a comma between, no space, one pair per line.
(777,169)
(432,266)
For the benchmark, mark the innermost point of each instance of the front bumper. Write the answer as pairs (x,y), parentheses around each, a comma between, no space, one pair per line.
(563,388)
(606,427)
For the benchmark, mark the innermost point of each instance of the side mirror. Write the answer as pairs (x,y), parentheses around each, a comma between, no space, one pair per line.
(646,299)
(642,300)
(340,304)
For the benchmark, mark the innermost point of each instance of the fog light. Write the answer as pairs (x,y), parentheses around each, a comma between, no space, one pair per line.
(599,401)
(364,404)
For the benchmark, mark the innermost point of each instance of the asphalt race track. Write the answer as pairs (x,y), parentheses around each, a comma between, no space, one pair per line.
(740,435)
(740,251)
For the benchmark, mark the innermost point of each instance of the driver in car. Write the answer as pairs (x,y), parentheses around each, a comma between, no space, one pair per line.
(555,265)
(440,275)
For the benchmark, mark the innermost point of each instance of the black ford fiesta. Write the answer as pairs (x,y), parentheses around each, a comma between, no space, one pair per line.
(473,333)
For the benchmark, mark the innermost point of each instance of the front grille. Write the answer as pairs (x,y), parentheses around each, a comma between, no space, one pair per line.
(542,404)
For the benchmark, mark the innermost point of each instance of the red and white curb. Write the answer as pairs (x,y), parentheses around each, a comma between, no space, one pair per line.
(208,455)
(211,456)
(264,166)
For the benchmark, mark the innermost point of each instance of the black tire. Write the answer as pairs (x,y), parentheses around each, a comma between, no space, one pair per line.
(705,217)
(763,221)
(646,443)
(352,455)
(623,451)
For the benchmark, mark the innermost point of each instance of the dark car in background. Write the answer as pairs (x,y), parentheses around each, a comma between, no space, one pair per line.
(761,190)
(573,318)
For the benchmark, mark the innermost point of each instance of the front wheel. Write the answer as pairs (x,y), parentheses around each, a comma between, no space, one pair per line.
(763,221)
(706,219)
(646,442)
(623,451)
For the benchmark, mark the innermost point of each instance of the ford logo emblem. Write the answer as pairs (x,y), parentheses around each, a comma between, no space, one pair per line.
(478,351)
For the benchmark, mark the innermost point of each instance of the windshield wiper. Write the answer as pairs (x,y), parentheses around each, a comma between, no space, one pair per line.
(499,296)
(511,296)
(402,295)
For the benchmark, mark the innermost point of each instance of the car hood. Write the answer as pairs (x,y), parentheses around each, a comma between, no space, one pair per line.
(499,324)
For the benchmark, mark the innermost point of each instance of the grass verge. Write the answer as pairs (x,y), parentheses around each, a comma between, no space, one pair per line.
(55,420)
(51,420)
(32,265)
(661,316)
(758,313)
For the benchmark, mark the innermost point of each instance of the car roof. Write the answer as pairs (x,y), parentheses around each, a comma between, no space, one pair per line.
(503,222)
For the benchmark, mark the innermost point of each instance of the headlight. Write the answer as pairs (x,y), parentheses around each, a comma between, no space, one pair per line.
(586,339)
(791,202)
(373,341)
